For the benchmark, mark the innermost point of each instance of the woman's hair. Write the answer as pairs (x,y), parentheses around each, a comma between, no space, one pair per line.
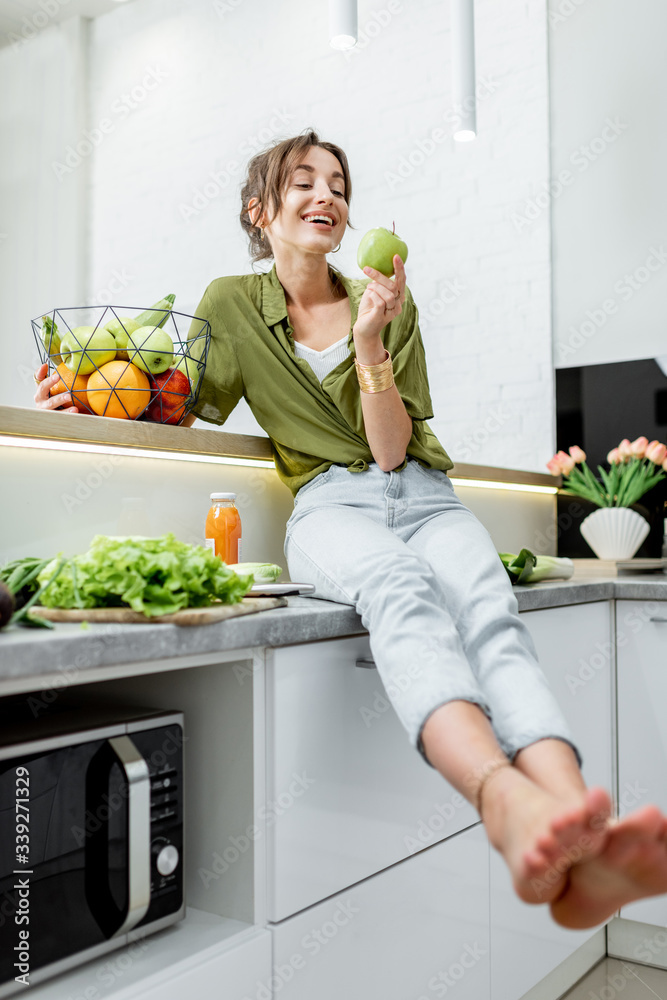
(268,175)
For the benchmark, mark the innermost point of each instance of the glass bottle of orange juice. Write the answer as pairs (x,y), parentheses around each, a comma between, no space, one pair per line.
(223,528)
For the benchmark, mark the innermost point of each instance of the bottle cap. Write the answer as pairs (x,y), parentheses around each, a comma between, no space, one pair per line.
(223,496)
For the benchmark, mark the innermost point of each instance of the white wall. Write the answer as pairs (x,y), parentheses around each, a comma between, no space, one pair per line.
(208,83)
(607,65)
(65,498)
(42,249)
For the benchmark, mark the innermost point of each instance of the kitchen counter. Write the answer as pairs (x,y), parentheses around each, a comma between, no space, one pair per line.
(70,653)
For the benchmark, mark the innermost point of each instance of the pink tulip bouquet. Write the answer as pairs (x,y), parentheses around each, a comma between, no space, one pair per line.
(634,468)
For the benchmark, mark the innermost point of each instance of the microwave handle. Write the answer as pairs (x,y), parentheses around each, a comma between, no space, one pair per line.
(111,920)
(138,780)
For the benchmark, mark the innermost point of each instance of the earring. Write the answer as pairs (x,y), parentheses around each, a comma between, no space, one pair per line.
(261,236)
(337,248)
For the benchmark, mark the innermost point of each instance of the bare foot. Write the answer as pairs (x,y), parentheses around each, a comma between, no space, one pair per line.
(632,864)
(542,837)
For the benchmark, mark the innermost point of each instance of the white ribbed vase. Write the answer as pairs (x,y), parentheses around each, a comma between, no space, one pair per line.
(614,532)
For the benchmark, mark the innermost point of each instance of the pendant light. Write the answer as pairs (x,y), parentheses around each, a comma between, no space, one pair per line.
(343,24)
(463,68)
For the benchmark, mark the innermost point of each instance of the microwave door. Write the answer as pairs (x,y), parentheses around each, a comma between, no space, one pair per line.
(59,922)
(117,853)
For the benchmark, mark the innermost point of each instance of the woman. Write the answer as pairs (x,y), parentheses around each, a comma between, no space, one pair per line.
(334,371)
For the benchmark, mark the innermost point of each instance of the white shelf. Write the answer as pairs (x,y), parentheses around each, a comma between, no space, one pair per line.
(151,962)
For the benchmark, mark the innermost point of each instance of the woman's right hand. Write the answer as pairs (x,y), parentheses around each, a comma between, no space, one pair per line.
(43,400)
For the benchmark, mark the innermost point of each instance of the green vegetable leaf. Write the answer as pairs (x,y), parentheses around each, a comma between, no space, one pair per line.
(154,576)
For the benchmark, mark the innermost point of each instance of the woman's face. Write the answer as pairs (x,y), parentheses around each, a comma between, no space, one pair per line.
(316,188)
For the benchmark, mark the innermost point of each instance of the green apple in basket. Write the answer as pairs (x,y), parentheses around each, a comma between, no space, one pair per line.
(151,349)
(86,348)
(121,328)
(190,362)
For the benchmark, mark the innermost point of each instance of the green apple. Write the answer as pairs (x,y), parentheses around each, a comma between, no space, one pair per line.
(377,249)
(85,348)
(151,349)
(190,363)
(121,329)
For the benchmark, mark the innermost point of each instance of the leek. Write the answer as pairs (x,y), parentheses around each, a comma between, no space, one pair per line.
(262,572)
(526,567)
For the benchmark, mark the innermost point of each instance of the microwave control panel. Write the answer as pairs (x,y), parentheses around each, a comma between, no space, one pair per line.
(163,751)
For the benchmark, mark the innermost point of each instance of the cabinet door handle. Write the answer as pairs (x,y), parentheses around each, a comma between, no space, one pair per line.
(664,620)
(366,663)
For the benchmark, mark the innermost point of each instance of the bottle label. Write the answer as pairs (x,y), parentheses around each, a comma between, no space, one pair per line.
(239,558)
(209,543)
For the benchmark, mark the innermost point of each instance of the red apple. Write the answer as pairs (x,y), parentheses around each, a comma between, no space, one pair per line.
(171,390)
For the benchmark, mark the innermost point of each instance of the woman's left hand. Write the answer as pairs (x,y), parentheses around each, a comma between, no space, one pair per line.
(382,300)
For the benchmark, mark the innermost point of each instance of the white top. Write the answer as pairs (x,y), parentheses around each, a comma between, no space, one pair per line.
(323,362)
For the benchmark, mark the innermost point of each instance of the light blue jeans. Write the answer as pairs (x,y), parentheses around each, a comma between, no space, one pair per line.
(425,577)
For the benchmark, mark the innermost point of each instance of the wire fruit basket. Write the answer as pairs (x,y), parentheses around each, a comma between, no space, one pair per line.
(124,362)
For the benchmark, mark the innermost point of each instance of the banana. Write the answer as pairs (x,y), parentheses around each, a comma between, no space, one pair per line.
(51,339)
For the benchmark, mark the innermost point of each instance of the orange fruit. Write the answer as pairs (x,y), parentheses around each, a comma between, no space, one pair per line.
(118,389)
(69,382)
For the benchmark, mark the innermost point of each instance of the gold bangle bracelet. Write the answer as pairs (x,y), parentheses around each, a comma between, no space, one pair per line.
(375,378)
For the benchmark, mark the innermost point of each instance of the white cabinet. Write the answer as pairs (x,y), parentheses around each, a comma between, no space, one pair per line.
(204,957)
(642,722)
(574,649)
(347,795)
(414,932)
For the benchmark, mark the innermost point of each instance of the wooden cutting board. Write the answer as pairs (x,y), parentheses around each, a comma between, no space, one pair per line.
(187,616)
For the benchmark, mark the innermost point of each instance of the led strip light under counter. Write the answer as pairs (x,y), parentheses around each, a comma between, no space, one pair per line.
(31,428)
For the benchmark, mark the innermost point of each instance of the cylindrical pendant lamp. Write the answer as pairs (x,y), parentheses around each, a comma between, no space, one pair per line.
(343,23)
(463,68)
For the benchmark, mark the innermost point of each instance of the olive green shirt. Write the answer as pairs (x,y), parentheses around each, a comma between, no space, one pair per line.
(311,425)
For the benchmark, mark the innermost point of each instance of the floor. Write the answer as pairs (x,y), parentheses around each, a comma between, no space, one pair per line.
(614,977)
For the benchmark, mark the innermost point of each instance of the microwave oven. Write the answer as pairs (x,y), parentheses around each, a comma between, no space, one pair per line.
(91,834)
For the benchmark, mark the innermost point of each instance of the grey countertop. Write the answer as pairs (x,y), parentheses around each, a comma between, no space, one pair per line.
(72,653)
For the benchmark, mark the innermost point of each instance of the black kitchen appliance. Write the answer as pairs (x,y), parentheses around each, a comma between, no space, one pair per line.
(91,833)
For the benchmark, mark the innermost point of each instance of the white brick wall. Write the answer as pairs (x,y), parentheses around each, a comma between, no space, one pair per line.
(227,71)
(218,78)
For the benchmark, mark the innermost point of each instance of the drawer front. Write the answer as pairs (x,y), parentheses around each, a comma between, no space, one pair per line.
(347,795)
(574,650)
(418,930)
(642,722)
